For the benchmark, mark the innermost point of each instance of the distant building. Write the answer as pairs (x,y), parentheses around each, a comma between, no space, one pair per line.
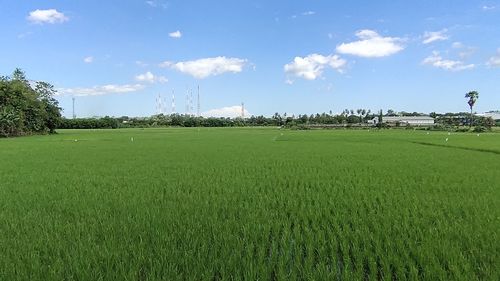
(494,114)
(405,120)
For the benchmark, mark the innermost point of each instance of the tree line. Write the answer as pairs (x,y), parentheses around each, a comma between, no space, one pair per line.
(186,120)
(348,118)
(27,107)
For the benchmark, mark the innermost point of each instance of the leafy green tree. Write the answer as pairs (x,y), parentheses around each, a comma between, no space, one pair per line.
(472,97)
(362,114)
(391,112)
(24,109)
(488,122)
(19,75)
(46,93)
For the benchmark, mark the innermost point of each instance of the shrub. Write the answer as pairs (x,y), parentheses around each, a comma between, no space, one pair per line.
(480,129)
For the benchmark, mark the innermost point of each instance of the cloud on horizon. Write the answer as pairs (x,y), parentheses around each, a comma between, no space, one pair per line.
(100,90)
(229,111)
(150,78)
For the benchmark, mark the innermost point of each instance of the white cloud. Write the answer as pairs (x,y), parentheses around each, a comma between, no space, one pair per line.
(203,68)
(230,111)
(467,52)
(24,35)
(305,14)
(464,52)
(101,90)
(495,60)
(488,8)
(432,36)
(88,59)
(166,64)
(175,34)
(150,78)
(141,63)
(312,66)
(47,16)
(372,45)
(157,4)
(452,65)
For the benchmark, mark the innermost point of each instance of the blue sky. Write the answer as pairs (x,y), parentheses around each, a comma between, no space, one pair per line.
(297,57)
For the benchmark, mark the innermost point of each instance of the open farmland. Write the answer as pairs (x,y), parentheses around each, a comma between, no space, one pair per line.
(250,204)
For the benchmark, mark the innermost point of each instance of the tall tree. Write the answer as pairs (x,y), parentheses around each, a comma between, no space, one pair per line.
(24,109)
(46,93)
(472,96)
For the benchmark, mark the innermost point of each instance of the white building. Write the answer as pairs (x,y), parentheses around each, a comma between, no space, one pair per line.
(494,115)
(405,120)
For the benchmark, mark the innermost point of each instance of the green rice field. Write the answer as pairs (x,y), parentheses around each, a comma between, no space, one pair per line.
(250,204)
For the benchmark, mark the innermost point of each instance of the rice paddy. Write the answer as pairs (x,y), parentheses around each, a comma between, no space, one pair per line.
(250,204)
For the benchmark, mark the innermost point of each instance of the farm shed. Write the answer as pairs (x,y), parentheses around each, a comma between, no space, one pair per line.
(405,120)
(494,115)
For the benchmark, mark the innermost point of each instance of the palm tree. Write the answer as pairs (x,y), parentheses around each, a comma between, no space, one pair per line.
(472,96)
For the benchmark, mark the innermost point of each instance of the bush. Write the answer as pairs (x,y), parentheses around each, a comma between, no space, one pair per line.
(300,127)
(480,129)
(438,127)
(382,125)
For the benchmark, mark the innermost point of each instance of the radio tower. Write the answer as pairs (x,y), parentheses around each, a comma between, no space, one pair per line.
(157,104)
(243,110)
(187,101)
(173,102)
(160,105)
(198,111)
(191,106)
(74,114)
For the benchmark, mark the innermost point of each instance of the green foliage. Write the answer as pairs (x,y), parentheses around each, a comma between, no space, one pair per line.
(26,110)
(480,129)
(488,122)
(179,120)
(249,204)
(472,98)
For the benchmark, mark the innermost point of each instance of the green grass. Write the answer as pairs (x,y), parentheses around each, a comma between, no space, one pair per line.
(250,204)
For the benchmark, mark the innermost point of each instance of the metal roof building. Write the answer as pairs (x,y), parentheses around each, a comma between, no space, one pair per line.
(494,115)
(404,120)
